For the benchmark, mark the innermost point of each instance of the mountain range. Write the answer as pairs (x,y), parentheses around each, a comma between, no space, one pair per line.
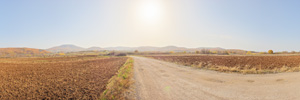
(74,48)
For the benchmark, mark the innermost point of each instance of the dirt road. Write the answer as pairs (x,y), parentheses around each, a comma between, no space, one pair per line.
(159,80)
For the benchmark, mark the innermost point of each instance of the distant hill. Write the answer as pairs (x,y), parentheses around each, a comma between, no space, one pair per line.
(119,48)
(175,49)
(211,48)
(147,48)
(66,48)
(94,49)
(73,48)
(9,52)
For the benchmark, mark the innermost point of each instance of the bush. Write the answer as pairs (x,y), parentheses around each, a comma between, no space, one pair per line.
(249,53)
(225,53)
(285,52)
(121,54)
(136,51)
(61,54)
(270,51)
(116,54)
(262,52)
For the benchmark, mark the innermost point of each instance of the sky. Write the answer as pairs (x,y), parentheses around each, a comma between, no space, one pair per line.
(257,25)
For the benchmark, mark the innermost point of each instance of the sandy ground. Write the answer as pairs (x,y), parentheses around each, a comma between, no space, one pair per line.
(159,80)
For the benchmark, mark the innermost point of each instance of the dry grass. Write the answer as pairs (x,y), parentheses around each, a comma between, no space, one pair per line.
(244,69)
(119,84)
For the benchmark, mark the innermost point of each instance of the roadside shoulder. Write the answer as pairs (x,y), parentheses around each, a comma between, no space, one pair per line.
(119,86)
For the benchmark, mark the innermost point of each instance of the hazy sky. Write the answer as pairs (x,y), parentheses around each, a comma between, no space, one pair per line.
(237,24)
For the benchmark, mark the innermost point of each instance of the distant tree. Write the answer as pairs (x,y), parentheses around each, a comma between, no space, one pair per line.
(112,53)
(214,52)
(121,54)
(205,51)
(197,52)
(226,53)
(61,54)
(293,52)
(262,52)
(270,52)
(136,51)
(106,52)
(184,52)
(249,53)
(233,52)
(172,52)
(285,52)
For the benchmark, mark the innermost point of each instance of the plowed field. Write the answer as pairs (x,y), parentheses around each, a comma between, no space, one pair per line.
(267,63)
(56,78)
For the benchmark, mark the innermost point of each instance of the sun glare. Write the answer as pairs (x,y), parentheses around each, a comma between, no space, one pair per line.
(150,11)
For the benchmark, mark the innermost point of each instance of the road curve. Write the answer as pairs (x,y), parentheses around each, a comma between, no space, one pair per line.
(159,80)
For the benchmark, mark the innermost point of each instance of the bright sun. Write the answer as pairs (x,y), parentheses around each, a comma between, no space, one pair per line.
(150,11)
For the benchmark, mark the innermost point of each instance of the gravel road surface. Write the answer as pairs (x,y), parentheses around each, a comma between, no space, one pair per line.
(159,80)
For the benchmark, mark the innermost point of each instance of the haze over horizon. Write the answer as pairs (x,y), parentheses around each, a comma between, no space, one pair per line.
(249,25)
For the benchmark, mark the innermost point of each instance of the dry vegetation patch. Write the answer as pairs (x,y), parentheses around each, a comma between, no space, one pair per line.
(118,86)
(240,64)
(56,78)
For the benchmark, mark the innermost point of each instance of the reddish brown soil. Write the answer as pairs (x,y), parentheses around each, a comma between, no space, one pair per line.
(48,78)
(263,62)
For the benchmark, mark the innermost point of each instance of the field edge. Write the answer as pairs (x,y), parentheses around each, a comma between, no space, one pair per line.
(236,69)
(118,86)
